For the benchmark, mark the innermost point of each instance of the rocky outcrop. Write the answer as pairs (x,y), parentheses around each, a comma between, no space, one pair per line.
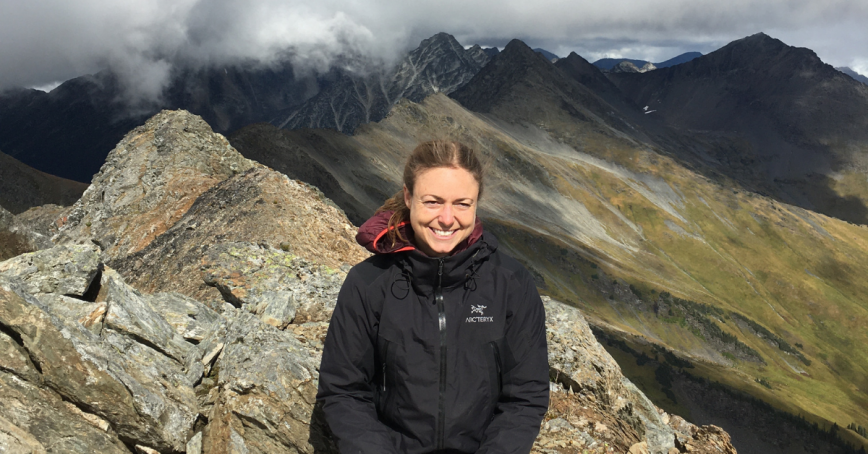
(153,176)
(259,206)
(595,407)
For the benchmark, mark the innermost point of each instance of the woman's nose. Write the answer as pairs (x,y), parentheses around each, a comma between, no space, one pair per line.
(446,217)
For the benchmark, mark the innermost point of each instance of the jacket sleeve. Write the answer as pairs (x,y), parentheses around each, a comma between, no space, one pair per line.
(347,371)
(525,377)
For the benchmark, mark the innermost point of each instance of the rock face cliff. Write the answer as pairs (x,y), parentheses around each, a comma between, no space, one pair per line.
(439,64)
(205,334)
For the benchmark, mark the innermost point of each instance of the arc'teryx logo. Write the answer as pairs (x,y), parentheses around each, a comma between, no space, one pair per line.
(474,309)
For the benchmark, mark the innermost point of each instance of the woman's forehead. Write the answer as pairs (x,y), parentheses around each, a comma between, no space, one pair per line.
(446,182)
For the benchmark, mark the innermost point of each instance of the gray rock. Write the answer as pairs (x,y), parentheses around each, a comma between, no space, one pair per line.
(580,364)
(67,270)
(89,315)
(130,313)
(140,392)
(149,181)
(14,359)
(190,318)
(275,285)
(32,419)
(194,446)
(267,376)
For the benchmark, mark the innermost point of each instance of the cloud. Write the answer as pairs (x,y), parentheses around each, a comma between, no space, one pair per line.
(50,40)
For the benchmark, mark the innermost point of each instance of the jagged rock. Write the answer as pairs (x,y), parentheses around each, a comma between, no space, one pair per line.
(581,365)
(594,396)
(149,181)
(267,392)
(275,285)
(67,270)
(191,319)
(130,314)
(143,394)
(32,419)
(260,206)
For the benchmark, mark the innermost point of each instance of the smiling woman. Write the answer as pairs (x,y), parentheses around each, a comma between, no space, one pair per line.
(437,343)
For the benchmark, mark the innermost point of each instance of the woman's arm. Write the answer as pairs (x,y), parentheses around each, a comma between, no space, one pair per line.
(524,397)
(347,371)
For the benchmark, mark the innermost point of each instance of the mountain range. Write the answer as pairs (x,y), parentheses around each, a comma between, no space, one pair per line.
(708,217)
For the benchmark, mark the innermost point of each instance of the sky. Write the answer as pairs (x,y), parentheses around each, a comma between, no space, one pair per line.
(44,42)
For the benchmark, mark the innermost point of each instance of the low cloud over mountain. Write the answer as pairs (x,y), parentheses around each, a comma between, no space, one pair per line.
(144,42)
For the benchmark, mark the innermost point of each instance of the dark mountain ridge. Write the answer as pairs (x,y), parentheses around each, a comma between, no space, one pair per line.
(778,119)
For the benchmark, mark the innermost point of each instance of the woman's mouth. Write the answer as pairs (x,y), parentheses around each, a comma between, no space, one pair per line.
(442,233)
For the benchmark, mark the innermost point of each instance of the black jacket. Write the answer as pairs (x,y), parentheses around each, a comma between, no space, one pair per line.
(436,355)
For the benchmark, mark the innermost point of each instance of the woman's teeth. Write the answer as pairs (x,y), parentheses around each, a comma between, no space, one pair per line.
(443,232)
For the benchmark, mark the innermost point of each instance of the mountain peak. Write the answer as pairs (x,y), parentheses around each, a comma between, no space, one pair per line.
(441,37)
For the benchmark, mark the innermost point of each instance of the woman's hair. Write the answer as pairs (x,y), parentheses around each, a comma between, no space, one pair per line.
(429,155)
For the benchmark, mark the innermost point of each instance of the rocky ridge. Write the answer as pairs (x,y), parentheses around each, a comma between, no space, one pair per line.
(93,363)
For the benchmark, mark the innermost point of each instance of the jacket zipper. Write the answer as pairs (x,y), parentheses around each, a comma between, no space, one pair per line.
(496,351)
(441,310)
(385,358)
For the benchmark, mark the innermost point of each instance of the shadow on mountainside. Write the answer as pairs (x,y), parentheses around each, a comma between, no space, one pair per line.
(797,174)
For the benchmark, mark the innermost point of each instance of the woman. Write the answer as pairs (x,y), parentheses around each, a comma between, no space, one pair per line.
(437,342)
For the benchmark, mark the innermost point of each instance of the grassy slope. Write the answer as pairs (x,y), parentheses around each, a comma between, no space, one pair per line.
(590,211)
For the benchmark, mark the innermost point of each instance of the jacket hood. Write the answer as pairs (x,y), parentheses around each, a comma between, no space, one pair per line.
(373,236)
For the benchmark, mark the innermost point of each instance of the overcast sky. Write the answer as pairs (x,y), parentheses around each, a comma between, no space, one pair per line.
(43,42)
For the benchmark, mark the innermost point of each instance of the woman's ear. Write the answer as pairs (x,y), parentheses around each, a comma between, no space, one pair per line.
(407,196)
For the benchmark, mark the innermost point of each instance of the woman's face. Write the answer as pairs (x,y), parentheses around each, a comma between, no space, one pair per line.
(442,209)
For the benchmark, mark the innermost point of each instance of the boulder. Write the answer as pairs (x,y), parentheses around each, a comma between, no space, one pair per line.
(67,270)
(34,420)
(277,286)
